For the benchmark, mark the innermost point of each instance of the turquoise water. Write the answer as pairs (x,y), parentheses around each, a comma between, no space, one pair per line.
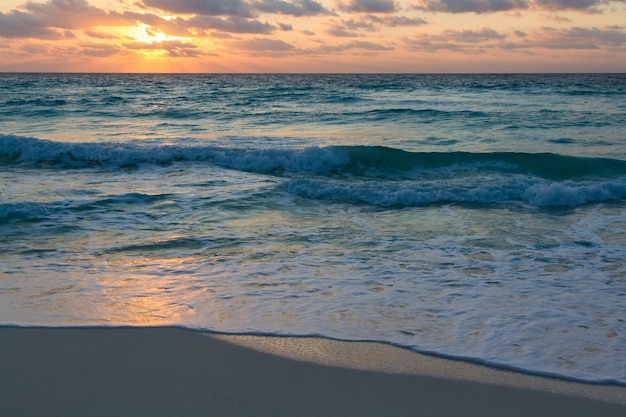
(474,216)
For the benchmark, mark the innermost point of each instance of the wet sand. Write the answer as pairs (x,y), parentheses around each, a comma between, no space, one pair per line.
(175,372)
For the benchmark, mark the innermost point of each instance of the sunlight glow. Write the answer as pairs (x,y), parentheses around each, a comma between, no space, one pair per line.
(143,297)
(148,34)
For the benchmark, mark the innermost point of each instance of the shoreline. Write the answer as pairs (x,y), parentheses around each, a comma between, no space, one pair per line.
(165,371)
(390,359)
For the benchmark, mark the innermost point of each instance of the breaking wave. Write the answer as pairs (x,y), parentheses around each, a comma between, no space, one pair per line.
(375,175)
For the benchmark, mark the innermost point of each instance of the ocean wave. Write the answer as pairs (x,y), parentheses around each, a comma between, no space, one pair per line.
(128,199)
(35,211)
(498,189)
(429,113)
(177,243)
(371,161)
(373,175)
(36,102)
(24,211)
(42,153)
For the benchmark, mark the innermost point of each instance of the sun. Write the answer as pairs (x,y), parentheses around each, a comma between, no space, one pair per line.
(148,49)
(149,40)
(150,34)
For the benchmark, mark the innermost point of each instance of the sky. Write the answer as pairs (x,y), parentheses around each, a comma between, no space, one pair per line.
(303,36)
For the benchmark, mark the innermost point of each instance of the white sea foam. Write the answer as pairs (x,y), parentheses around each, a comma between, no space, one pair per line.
(520,189)
(570,193)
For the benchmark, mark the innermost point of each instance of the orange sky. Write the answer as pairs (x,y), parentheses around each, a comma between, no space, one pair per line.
(313,35)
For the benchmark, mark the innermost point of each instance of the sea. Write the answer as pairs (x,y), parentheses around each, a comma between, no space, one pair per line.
(472,216)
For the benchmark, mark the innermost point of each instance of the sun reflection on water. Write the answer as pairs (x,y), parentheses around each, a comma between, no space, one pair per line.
(149,291)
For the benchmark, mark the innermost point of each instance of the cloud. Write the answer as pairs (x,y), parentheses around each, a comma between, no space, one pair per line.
(203,7)
(263,45)
(582,38)
(71,14)
(472,42)
(611,38)
(585,5)
(370,46)
(232,24)
(341,32)
(397,20)
(472,36)
(492,6)
(173,47)
(100,50)
(18,24)
(41,19)
(99,35)
(555,18)
(363,45)
(221,35)
(370,23)
(470,6)
(368,6)
(294,8)
(350,28)
(35,49)
(457,40)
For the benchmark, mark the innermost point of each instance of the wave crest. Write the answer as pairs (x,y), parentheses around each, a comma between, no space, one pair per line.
(36,152)
(376,175)
(353,160)
(519,189)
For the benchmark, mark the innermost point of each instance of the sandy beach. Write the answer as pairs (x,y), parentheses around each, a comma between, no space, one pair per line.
(175,372)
